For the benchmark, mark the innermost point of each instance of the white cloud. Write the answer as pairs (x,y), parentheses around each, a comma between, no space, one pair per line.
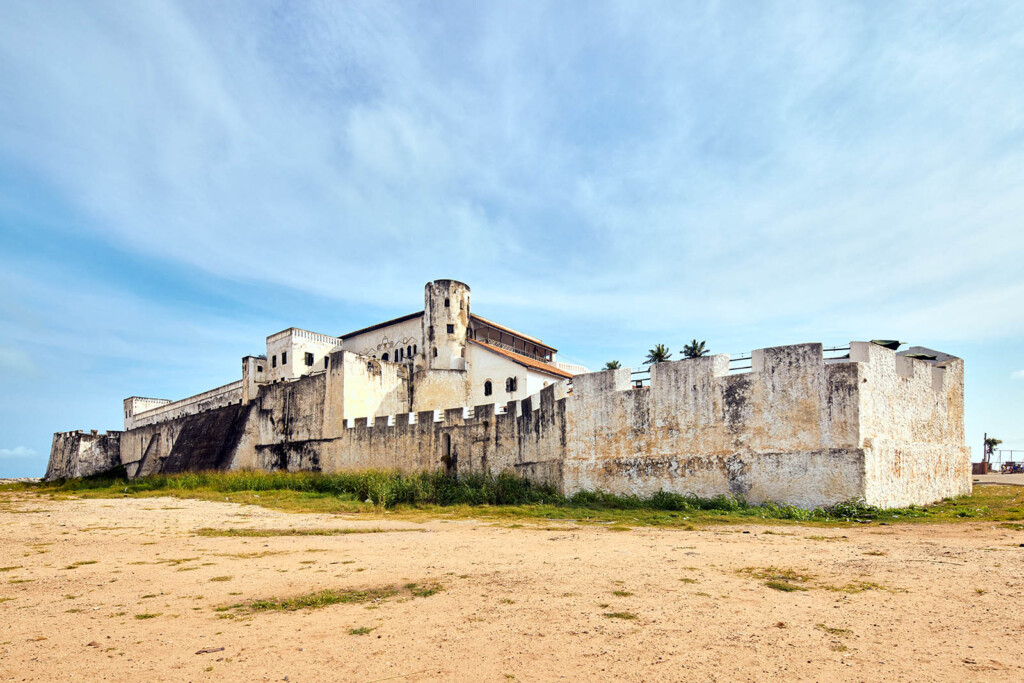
(1018,375)
(16,360)
(17,452)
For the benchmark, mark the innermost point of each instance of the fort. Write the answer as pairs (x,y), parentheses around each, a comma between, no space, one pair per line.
(444,389)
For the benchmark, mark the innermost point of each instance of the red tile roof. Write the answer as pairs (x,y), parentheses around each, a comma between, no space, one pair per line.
(524,360)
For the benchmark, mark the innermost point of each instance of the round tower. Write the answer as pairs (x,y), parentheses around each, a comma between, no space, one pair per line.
(445,324)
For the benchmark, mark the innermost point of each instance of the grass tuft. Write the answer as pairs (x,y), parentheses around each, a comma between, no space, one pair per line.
(620,615)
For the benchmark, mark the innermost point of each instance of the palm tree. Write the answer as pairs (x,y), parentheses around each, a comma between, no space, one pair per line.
(612,365)
(659,354)
(695,349)
(990,446)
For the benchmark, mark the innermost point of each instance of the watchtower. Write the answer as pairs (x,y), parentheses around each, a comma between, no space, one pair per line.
(445,324)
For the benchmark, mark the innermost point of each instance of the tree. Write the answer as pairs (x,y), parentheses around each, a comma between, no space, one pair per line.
(659,354)
(612,365)
(990,446)
(695,349)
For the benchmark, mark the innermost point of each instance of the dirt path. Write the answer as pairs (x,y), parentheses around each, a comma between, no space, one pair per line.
(911,603)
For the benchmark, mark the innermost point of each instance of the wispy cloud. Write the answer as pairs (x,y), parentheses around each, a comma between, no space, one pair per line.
(1019,374)
(650,163)
(17,452)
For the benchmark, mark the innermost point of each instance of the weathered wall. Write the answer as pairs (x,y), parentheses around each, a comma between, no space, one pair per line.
(77,454)
(784,431)
(228,394)
(796,429)
(917,451)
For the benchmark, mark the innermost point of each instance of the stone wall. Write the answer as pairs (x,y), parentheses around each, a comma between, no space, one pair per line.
(796,429)
(77,454)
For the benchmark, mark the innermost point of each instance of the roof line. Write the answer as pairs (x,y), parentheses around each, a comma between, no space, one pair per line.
(393,321)
(540,366)
(511,331)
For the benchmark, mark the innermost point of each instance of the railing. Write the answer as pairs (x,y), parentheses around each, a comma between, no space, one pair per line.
(508,347)
(743,362)
(305,334)
(191,400)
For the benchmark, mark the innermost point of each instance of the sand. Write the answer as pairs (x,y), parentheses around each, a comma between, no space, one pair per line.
(529,603)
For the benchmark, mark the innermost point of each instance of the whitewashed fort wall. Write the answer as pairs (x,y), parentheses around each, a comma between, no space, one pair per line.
(796,429)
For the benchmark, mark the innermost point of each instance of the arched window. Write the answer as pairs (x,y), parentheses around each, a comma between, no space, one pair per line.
(408,350)
(510,384)
(488,388)
(384,357)
(398,356)
(435,352)
(414,349)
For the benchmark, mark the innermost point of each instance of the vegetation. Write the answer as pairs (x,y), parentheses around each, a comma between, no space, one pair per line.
(695,349)
(612,365)
(659,354)
(414,496)
(990,447)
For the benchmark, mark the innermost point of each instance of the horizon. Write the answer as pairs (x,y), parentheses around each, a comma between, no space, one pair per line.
(180,180)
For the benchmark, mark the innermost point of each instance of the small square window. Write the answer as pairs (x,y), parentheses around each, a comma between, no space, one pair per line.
(259,368)
(451,329)
(309,359)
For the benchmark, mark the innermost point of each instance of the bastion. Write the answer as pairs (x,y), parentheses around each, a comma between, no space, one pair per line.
(421,393)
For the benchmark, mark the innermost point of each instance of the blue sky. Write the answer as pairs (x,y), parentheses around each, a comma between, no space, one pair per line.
(180,179)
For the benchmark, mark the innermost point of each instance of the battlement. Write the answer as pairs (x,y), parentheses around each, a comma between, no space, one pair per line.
(207,400)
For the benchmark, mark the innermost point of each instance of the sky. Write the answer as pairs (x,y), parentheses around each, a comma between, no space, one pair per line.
(180,179)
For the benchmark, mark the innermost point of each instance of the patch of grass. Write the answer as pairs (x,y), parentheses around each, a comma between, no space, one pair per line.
(361,631)
(686,579)
(266,533)
(21,581)
(622,594)
(509,497)
(784,586)
(980,591)
(10,569)
(424,591)
(151,595)
(777,574)
(76,565)
(221,578)
(620,615)
(148,615)
(876,553)
(832,631)
(6,599)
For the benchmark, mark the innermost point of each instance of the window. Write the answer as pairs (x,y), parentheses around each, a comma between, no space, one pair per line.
(327,362)
(510,384)
(414,349)
(451,329)
(435,352)
(447,303)
(284,358)
(309,359)
(408,351)
(259,368)
(488,389)
(384,357)
(398,355)
(273,361)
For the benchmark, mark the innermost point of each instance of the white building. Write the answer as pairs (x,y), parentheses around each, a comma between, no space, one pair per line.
(439,357)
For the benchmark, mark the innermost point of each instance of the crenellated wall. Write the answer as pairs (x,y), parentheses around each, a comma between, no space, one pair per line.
(78,454)
(796,428)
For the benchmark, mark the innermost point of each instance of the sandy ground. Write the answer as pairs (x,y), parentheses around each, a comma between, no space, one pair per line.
(525,603)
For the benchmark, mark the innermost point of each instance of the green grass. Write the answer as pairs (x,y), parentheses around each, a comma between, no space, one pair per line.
(361,631)
(266,533)
(784,586)
(510,497)
(327,597)
(620,615)
(148,615)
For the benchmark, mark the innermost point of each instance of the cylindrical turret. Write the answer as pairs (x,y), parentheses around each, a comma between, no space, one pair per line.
(445,323)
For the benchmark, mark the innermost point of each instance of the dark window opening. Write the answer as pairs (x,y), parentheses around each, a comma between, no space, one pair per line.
(488,389)
(327,362)
(414,349)
(259,368)
(309,359)
(510,384)
(384,357)
(451,329)
(447,303)
(273,361)
(408,350)
(398,355)
(284,358)
(435,352)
